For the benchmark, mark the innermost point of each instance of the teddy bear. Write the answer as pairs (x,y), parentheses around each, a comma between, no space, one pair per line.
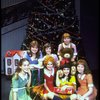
(66,55)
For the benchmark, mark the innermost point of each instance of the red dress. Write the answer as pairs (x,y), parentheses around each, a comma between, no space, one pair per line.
(49,79)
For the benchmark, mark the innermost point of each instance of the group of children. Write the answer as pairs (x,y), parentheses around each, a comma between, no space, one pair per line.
(71,78)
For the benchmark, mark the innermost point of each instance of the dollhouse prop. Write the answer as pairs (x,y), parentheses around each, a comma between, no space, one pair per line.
(12,58)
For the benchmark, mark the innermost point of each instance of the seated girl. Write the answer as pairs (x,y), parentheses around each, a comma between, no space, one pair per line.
(49,73)
(20,81)
(86,89)
(64,81)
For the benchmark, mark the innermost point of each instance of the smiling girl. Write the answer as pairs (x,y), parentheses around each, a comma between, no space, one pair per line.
(49,73)
(67,43)
(86,89)
(21,80)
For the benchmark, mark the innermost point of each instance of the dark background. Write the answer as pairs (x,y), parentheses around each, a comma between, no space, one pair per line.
(89,29)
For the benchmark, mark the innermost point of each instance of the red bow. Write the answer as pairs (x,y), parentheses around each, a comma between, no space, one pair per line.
(64,61)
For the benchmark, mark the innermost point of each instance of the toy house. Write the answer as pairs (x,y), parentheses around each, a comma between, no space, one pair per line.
(12,58)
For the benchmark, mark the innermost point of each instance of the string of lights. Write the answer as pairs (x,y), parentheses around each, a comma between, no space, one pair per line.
(49,20)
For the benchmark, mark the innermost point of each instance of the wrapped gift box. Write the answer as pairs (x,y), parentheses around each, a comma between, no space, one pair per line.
(67,91)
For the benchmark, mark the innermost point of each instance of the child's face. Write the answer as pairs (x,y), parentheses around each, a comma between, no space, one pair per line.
(80,68)
(48,50)
(66,71)
(34,49)
(25,66)
(49,65)
(67,40)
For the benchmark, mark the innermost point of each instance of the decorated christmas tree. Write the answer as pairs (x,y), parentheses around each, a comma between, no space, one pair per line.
(49,19)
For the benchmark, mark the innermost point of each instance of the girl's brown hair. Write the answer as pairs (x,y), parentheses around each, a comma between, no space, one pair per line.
(32,44)
(86,67)
(47,45)
(65,35)
(18,70)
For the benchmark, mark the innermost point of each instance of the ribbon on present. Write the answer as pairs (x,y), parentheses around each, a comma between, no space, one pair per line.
(66,91)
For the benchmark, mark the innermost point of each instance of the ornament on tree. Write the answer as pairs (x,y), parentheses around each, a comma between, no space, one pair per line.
(49,19)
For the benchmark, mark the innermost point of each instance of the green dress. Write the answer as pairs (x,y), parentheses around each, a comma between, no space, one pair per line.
(20,83)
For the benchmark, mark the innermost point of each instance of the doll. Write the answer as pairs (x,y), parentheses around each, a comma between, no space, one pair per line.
(66,54)
(66,43)
(21,80)
(73,74)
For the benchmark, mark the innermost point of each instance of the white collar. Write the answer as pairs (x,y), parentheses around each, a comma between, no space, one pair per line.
(47,72)
(81,76)
(23,76)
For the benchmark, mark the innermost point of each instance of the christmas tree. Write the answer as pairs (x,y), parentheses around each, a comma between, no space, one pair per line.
(49,19)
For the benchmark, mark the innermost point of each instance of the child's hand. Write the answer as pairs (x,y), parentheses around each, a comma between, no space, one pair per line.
(51,95)
(63,88)
(79,96)
(59,71)
(73,97)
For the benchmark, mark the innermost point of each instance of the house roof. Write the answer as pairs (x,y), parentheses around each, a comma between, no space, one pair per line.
(11,53)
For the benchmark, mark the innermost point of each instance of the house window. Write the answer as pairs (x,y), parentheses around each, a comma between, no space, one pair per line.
(9,70)
(16,62)
(9,62)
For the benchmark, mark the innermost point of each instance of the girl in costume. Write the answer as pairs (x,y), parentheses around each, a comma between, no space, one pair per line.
(47,50)
(64,79)
(21,80)
(86,89)
(33,54)
(49,73)
(64,82)
(66,43)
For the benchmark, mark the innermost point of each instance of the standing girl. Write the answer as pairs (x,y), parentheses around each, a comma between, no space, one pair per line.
(34,54)
(47,50)
(66,43)
(21,80)
(86,90)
